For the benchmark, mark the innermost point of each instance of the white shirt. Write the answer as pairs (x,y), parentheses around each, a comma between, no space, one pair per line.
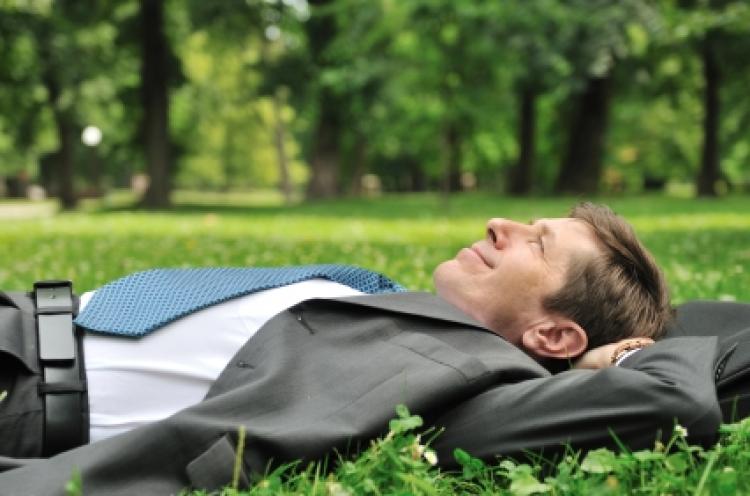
(132,382)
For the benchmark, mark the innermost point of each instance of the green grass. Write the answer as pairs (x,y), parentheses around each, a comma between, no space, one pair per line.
(401,463)
(703,246)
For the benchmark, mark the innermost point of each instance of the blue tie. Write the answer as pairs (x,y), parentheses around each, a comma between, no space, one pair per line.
(139,303)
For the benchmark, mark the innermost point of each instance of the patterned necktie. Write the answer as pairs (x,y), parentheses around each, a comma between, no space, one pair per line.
(139,303)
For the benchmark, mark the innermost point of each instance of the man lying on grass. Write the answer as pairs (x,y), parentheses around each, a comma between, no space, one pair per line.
(307,376)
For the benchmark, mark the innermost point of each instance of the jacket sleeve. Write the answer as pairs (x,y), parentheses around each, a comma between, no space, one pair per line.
(639,401)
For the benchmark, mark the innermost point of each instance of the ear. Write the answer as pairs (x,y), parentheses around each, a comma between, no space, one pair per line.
(555,338)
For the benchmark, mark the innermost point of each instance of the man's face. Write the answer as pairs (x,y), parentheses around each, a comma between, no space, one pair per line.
(502,279)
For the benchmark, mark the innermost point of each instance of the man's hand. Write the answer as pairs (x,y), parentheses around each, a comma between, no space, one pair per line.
(601,357)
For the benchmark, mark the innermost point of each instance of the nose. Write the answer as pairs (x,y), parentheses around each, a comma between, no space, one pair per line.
(501,232)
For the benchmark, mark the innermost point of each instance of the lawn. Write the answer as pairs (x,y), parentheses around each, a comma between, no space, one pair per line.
(703,246)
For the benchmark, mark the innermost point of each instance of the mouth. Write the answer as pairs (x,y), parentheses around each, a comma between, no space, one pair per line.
(478,253)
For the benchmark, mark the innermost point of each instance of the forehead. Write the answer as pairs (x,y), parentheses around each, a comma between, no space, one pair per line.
(567,224)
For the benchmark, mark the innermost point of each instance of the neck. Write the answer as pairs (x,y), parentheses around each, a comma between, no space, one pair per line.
(555,365)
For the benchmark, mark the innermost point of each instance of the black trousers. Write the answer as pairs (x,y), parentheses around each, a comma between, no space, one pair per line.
(22,410)
(22,415)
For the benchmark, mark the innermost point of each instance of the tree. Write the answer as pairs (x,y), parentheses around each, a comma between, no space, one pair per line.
(65,124)
(155,101)
(444,87)
(710,168)
(335,79)
(724,44)
(325,146)
(604,34)
(58,51)
(536,32)
(719,31)
(582,161)
(255,70)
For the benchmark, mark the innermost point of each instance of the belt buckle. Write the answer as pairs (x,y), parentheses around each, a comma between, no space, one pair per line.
(54,309)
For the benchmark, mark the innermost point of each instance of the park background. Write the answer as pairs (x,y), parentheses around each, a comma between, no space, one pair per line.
(142,133)
(333,98)
(381,133)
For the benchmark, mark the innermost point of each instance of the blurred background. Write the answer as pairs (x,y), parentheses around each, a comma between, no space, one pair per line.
(311,99)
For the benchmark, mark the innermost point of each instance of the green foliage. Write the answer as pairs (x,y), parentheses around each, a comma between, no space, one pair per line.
(224,121)
(416,87)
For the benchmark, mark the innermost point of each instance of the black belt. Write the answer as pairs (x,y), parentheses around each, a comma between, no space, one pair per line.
(63,387)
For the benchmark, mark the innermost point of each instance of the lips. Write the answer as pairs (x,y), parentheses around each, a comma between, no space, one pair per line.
(478,253)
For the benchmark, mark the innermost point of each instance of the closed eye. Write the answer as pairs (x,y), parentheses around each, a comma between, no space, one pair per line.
(539,239)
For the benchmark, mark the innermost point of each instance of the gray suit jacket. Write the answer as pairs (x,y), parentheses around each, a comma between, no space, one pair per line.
(730,323)
(328,373)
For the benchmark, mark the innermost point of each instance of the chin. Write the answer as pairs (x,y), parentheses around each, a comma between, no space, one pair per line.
(441,278)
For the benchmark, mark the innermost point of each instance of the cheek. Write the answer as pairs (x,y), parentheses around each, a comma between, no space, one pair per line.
(517,269)
(520,283)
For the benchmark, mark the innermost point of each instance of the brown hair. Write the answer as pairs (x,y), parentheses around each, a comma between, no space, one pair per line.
(621,293)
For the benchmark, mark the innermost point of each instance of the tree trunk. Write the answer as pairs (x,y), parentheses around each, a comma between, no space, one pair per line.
(279,141)
(710,162)
(359,165)
(325,153)
(95,172)
(452,164)
(324,162)
(417,176)
(63,159)
(523,174)
(155,101)
(582,166)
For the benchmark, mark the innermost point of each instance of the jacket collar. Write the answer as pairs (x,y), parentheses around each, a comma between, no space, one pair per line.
(414,303)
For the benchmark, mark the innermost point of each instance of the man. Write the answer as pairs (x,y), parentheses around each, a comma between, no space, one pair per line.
(327,373)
